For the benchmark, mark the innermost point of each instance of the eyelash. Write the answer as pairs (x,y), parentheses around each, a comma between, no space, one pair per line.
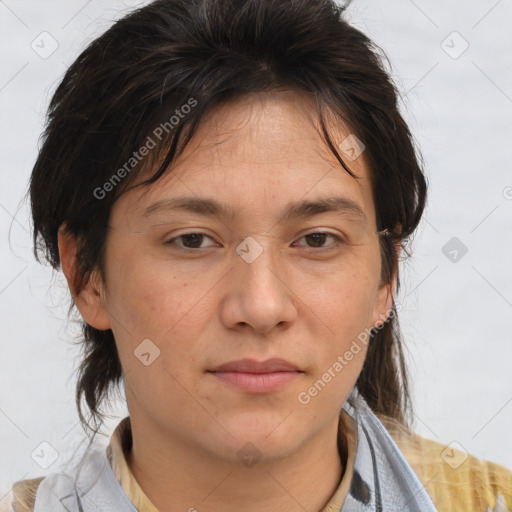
(338,240)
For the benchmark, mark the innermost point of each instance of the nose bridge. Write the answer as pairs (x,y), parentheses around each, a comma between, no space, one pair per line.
(259,259)
(260,297)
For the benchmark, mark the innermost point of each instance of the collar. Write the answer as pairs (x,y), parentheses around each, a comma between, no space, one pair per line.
(382,479)
(121,442)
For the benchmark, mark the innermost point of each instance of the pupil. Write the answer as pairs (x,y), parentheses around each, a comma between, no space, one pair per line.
(318,238)
(193,236)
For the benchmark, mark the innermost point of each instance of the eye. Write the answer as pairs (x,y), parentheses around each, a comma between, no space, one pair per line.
(318,238)
(190,240)
(194,240)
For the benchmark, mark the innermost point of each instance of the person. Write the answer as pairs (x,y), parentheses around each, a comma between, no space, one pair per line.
(228,187)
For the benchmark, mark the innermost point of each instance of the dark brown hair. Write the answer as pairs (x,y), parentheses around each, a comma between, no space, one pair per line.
(151,63)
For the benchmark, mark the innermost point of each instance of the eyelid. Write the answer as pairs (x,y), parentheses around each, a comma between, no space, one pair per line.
(323,231)
(175,237)
(338,238)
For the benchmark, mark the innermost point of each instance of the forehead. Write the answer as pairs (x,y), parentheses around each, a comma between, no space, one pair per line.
(267,127)
(258,150)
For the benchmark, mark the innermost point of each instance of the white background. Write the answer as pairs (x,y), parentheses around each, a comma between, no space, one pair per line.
(457,316)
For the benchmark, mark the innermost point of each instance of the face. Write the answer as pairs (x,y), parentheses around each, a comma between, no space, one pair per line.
(254,274)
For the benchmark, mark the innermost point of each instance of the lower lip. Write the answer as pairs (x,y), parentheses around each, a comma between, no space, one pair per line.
(257,382)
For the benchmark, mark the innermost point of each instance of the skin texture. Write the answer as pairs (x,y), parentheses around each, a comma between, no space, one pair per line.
(302,299)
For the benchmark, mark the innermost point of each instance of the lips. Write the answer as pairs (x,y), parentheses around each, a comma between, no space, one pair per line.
(251,376)
(253,366)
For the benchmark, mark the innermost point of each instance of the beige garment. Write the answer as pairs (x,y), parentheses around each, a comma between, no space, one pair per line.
(122,438)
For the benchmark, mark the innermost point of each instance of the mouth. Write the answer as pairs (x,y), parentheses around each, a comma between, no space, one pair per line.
(252,376)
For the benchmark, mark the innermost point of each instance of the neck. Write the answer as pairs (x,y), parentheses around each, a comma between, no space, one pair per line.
(177,476)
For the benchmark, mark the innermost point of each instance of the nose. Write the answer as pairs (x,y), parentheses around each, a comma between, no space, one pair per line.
(260,291)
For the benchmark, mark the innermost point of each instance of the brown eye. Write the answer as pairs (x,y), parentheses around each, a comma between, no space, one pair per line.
(318,239)
(189,240)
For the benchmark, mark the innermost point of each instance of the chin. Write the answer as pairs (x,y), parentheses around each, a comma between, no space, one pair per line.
(253,450)
(270,434)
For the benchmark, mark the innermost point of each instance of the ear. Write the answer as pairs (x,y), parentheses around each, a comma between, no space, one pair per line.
(386,294)
(383,304)
(91,299)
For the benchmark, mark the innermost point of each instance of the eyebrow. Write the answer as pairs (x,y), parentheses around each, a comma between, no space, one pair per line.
(301,209)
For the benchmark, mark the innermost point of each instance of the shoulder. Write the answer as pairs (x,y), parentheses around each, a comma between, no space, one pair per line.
(454,479)
(23,495)
(53,487)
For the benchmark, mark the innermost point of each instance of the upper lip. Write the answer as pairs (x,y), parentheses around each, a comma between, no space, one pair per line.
(253,366)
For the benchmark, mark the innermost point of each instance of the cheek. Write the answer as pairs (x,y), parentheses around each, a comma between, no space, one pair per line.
(344,305)
(151,301)
(153,304)
(146,295)
(345,300)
